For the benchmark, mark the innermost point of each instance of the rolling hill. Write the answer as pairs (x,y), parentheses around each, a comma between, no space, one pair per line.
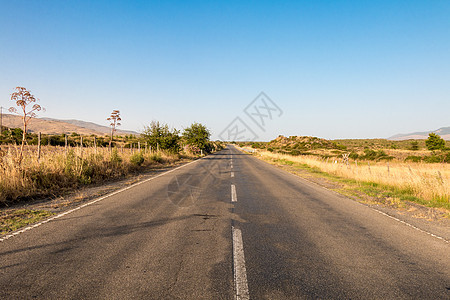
(55,126)
(444,132)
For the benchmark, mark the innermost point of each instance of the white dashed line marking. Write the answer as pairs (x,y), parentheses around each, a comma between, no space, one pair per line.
(240,273)
(233,193)
(232,174)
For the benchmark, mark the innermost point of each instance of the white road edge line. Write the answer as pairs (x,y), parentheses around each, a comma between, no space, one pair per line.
(240,273)
(90,203)
(377,210)
(381,212)
(410,225)
(233,193)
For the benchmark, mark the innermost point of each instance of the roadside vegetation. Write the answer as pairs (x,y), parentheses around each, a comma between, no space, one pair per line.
(42,166)
(57,169)
(398,170)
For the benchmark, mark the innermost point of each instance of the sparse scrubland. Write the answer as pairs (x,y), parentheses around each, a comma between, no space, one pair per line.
(381,168)
(59,169)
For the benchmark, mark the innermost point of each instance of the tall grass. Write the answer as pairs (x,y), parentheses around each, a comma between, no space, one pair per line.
(429,182)
(59,169)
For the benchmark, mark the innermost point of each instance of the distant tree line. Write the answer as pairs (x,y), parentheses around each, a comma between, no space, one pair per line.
(194,138)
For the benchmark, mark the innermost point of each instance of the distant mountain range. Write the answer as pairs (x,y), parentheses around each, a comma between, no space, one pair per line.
(444,132)
(56,126)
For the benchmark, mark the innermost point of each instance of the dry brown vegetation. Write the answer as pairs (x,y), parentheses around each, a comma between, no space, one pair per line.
(425,183)
(404,170)
(60,169)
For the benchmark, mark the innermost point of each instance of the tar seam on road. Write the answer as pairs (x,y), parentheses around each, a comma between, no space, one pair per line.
(90,203)
(233,193)
(240,273)
(378,211)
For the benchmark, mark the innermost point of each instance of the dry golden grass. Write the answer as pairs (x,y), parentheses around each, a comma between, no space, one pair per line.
(430,182)
(60,169)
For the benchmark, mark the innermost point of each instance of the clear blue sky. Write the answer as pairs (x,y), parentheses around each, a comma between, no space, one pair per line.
(337,69)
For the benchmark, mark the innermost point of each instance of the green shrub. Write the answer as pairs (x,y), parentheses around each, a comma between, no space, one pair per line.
(414,158)
(432,159)
(447,157)
(295,152)
(70,164)
(137,159)
(353,155)
(435,142)
(385,157)
(369,154)
(156,158)
(339,146)
(115,157)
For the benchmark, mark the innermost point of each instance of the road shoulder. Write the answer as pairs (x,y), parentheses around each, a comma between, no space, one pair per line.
(434,221)
(27,213)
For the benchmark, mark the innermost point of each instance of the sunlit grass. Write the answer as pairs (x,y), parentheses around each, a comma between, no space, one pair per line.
(59,169)
(427,184)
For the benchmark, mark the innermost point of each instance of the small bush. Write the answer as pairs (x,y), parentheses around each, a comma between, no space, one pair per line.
(447,157)
(339,146)
(432,159)
(369,154)
(353,155)
(137,159)
(115,157)
(295,153)
(413,158)
(156,158)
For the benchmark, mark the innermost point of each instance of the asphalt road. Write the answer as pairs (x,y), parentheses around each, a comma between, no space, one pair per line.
(224,227)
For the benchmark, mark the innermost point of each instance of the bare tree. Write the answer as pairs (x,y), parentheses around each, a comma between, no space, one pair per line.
(114,119)
(24,99)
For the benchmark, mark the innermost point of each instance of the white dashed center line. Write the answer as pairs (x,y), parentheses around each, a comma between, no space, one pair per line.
(240,273)
(233,193)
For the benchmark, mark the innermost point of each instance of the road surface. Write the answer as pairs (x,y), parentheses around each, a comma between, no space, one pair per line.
(228,226)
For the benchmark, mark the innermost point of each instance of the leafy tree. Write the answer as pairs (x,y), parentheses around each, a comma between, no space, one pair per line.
(435,142)
(160,135)
(197,135)
(23,99)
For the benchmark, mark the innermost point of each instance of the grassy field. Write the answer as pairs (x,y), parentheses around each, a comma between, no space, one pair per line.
(424,183)
(62,169)
(358,149)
